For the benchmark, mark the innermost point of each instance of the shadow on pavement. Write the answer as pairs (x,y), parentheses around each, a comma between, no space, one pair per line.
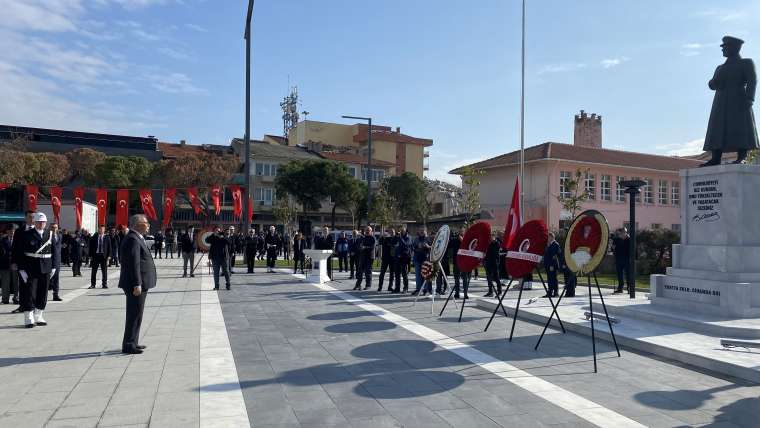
(6,362)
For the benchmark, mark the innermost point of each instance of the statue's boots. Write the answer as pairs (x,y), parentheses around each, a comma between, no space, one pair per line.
(716,156)
(741,157)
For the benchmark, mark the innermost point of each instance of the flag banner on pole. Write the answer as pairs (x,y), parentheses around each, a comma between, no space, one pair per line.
(3,186)
(192,195)
(216,198)
(514,218)
(237,201)
(169,195)
(101,196)
(78,202)
(56,194)
(122,207)
(146,198)
(250,210)
(31,196)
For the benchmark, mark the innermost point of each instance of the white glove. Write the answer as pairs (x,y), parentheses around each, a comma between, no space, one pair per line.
(23,274)
(52,273)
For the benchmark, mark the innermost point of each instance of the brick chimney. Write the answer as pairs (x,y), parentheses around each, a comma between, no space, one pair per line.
(588,130)
(182,142)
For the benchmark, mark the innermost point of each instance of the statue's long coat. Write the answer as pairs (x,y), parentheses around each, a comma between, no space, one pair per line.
(732,122)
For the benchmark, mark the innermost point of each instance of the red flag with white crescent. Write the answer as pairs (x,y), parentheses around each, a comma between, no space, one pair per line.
(169,195)
(101,196)
(250,210)
(31,196)
(78,202)
(4,186)
(146,198)
(237,200)
(122,207)
(216,198)
(56,194)
(192,195)
(514,218)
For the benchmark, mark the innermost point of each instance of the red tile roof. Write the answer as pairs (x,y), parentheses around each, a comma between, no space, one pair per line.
(355,158)
(568,152)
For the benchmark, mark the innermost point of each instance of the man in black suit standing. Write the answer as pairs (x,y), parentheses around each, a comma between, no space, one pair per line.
(326,242)
(35,270)
(17,253)
(187,245)
(218,253)
(55,243)
(100,251)
(138,275)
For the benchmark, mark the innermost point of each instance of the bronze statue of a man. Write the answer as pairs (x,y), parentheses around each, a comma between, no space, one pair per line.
(732,123)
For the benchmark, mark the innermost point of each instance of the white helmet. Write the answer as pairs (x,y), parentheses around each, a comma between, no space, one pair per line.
(38,216)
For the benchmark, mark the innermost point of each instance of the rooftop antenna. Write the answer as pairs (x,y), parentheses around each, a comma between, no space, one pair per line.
(289,106)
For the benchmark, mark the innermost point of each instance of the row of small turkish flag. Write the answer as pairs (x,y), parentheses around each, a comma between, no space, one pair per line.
(146,199)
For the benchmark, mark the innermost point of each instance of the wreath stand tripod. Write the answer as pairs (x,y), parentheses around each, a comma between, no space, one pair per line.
(439,271)
(591,312)
(451,296)
(517,307)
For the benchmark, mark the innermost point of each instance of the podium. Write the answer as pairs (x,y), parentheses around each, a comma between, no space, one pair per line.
(319,260)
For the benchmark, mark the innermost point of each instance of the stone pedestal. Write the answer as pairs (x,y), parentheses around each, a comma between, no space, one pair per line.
(319,258)
(716,267)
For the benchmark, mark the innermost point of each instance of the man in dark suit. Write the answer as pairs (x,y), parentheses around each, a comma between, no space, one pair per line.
(251,245)
(272,242)
(187,246)
(35,269)
(230,237)
(138,275)
(17,252)
(100,251)
(56,245)
(552,256)
(218,254)
(326,242)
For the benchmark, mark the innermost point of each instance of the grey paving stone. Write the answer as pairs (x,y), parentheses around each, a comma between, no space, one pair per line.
(73,423)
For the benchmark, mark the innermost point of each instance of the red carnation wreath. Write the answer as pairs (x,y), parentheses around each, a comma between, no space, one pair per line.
(527,248)
(474,245)
(586,243)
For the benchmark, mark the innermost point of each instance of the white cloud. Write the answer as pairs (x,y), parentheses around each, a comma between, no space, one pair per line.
(613,62)
(173,83)
(197,28)
(694,49)
(723,15)
(562,67)
(440,168)
(693,147)
(38,15)
(174,54)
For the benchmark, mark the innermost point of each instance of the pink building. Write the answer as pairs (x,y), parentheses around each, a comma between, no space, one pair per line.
(549,166)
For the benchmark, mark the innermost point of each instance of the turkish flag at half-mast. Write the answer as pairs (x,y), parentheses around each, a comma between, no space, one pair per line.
(216,198)
(237,200)
(122,207)
(192,195)
(56,193)
(169,195)
(31,196)
(514,218)
(250,210)
(101,197)
(78,200)
(146,198)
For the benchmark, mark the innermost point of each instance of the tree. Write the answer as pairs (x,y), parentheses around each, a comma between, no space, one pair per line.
(53,169)
(654,250)
(285,211)
(124,171)
(13,164)
(408,191)
(343,188)
(83,163)
(574,202)
(357,206)
(382,210)
(470,200)
(201,169)
(425,204)
(306,181)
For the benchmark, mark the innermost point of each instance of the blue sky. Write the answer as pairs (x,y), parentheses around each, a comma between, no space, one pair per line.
(446,70)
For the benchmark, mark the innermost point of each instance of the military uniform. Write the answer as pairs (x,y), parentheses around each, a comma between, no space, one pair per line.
(35,270)
(272,242)
(251,245)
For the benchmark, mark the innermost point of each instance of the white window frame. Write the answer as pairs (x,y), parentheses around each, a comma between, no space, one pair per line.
(605,188)
(619,190)
(589,182)
(662,192)
(564,178)
(675,193)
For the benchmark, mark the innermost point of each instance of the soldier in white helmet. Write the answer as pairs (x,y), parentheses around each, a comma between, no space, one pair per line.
(35,270)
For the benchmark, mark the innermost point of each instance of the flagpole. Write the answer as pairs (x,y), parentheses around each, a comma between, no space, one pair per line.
(522,114)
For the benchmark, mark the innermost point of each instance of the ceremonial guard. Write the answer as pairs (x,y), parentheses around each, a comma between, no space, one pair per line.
(251,246)
(35,269)
(272,242)
(230,237)
(326,242)
(158,244)
(366,258)
(402,256)
(552,264)
(299,245)
(188,247)
(387,246)
(218,253)
(54,278)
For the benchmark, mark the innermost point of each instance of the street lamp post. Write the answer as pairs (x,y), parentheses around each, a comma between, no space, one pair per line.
(369,158)
(247,193)
(632,187)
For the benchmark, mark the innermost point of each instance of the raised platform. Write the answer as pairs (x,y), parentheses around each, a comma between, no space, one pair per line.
(650,328)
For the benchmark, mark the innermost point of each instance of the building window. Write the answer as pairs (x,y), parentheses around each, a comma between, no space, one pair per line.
(656,226)
(675,193)
(266,169)
(352,171)
(605,187)
(638,195)
(264,195)
(675,227)
(590,186)
(438,208)
(564,184)
(620,190)
(377,175)
(662,192)
(648,192)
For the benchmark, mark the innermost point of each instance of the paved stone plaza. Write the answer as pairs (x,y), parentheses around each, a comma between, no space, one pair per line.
(321,356)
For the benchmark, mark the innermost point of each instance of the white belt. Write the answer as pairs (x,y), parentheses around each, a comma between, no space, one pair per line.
(38,256)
